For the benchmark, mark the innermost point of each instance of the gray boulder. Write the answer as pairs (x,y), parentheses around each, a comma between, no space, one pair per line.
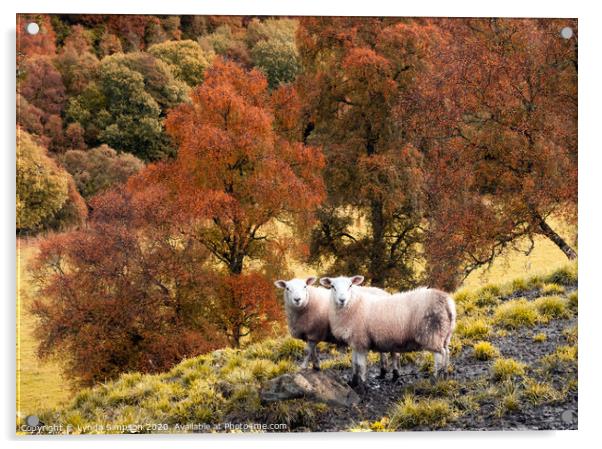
(319,386)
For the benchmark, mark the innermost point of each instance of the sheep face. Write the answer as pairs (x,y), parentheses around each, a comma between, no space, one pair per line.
(341,288)
(296,293)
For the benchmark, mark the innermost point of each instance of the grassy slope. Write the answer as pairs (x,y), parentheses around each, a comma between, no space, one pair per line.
(223,386)
(39,384)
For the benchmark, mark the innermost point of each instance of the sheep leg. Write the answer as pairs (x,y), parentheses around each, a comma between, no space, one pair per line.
(354,371)
(308,352)
(396,367)
(383,365)
(315,358)
(359,367)
(439,358)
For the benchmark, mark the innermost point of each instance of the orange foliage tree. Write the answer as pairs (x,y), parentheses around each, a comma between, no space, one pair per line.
(123,293)
(362,101)
(234,177)
(509,162)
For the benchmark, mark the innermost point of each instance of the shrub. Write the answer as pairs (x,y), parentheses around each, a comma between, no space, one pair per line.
(552,307)
(431,413)
(506,369)
(516,313)
(483,350)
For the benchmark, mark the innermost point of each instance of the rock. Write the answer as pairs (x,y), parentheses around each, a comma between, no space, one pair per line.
(319,386)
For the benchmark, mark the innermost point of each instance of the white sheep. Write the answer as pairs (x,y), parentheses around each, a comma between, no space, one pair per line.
(421,319)
(306,310)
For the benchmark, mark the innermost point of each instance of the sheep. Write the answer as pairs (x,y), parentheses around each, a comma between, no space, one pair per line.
(306,310)
(421,319)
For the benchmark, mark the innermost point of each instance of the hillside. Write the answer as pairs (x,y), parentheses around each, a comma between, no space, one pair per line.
(514,366)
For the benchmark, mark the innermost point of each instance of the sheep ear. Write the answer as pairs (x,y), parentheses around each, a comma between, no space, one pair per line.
(326,282)
(311,280)
(280,284)
(357,280)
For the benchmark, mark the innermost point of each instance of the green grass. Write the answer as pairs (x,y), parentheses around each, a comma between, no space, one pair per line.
(552,307)
(516,313)
(552,289)
(483,350)
(412,412)
(540,337)
(473,328)
(205,389)
(507,369)
(539,392)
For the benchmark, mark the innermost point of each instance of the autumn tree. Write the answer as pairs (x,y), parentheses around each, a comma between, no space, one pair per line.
(40,44)
(41,183)
(98,169)
(273,50)
(76,61)
(124,106)
(511,161)
(123,294)
(186,59)
(236,177)
(361,96)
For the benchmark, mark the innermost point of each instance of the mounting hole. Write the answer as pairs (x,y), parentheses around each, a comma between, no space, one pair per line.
(32,28)
(566,32)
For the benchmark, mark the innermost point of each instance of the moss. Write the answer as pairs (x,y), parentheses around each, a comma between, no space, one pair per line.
(516,313)
(431,413)
(552,307)
(483,350)
(540,337)
(507,369)
(473,328)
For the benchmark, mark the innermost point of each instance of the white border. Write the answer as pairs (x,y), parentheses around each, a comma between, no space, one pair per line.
(590,224)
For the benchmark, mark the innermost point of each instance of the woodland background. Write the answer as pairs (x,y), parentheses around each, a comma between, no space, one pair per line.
(170,167)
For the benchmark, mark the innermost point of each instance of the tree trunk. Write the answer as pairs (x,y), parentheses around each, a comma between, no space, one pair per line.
(554,237)
(377,252)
